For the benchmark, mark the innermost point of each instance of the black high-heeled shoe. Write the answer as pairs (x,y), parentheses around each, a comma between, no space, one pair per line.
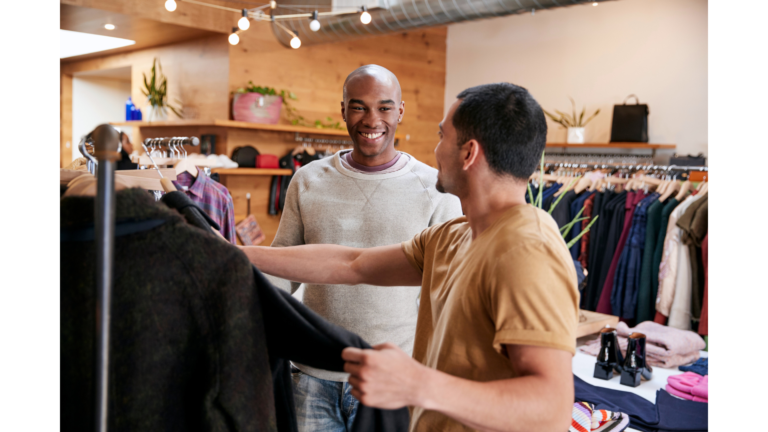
(609,358)
(636,366)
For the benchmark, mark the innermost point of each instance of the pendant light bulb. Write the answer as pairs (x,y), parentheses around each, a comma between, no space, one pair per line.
(243,23)
(234,38)
(314,25)
(170,5)
(295,42)
(365,17)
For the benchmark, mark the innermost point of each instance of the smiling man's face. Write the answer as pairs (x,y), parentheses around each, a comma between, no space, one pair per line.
(372,108)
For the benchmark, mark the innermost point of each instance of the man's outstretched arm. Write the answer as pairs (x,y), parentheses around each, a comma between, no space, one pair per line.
(336,265)
(539,400)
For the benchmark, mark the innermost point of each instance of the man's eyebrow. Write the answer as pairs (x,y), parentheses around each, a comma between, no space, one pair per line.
(357,101)
(387,102)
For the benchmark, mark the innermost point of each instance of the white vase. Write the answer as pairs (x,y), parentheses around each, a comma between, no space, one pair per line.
(575,135)
(157,113)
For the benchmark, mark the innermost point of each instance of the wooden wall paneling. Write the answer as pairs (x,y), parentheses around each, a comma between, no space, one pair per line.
(317,73)
(65,107)
(186,14)
(197,72)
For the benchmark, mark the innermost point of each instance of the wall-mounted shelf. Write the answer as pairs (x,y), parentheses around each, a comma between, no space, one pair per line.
(252,171)
(239,125)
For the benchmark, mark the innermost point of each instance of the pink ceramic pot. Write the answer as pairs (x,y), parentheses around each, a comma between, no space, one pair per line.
(256,108)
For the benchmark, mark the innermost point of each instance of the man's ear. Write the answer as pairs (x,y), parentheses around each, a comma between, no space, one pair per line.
(472,154)
(344,117)
(402,111)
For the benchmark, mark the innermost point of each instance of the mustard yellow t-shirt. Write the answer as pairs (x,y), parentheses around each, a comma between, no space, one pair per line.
(514,284)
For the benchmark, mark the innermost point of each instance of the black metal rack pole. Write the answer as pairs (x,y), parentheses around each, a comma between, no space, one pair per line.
(107,145)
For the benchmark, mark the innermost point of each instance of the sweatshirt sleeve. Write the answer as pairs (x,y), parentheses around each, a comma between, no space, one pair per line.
(448,207)
(290,232)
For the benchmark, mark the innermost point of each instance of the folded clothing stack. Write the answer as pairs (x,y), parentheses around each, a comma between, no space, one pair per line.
(220,161)
(667,414)
(690,386)
(586,418)
(666,347)
(701,367)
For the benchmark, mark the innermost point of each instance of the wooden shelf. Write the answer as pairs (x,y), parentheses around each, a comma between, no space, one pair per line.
(594,322)
(240,125)
(252,171)
(616,146)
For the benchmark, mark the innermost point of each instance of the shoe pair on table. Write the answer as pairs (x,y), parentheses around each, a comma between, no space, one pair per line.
(633,367)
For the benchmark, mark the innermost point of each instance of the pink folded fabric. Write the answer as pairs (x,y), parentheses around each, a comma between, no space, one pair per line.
(701,390)
(684,382)
(671,390)
(667,347)
(689,386)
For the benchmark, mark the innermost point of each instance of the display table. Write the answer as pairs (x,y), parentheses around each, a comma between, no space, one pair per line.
(584,367)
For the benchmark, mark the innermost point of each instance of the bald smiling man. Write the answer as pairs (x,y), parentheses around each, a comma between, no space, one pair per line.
(371,196)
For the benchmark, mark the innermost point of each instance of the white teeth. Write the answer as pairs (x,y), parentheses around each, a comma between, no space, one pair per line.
(372,136)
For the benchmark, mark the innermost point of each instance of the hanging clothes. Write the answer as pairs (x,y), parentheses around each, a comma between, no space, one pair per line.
(584,240)
(694,224)
(211,196)
(672,255)
(644,311)
(576,206)
(279,186)
(633,198)
(704,323)
(627,276)
(200,340)
(597,244)
(680,311)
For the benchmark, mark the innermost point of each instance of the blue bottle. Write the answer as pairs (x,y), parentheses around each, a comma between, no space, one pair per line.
(129,108)
(137,114)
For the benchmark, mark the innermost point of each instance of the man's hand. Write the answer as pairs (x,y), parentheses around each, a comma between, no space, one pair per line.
(384,377)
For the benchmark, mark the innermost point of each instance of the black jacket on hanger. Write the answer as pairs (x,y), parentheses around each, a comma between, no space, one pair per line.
(200,341)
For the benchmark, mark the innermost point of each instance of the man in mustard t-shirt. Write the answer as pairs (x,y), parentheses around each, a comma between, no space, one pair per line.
(497,322)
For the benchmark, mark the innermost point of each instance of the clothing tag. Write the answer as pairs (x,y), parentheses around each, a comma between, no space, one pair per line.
(186,188)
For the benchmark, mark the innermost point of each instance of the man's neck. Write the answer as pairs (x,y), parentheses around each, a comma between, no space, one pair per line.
(487,201)
(371,161)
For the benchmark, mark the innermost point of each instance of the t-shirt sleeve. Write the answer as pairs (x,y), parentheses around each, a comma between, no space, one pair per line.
(533,299)
(415,248)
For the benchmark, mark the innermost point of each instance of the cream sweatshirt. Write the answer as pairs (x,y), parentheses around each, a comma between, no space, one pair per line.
(327,203)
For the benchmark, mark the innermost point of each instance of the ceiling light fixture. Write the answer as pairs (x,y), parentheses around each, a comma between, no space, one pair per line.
(109,26)
(295,41)
(314,25)
(170,5)
(365,17)
(234,38)
(243,23)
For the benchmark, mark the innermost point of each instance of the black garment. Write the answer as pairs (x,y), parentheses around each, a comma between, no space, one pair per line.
(125,162)
(615,212)
(562,212)
(199,337)
(669,412)
(596,243)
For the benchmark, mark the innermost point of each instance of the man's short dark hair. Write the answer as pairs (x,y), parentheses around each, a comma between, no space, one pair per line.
(507,122)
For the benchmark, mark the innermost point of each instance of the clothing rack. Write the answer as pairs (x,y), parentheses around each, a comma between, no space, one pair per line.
(106,143)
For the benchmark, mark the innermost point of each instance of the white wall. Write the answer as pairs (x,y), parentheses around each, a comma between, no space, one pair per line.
(656,49)
(96,101)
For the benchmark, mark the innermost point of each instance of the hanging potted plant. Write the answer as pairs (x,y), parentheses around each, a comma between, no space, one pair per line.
(574,124)
(156,91)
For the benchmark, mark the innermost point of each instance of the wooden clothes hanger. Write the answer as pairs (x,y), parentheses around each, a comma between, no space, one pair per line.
(184,164)
(684,188)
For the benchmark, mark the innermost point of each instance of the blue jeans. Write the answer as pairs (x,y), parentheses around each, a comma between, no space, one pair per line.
(323,406)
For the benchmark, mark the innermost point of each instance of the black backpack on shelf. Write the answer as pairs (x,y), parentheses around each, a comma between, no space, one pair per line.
(245,156)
